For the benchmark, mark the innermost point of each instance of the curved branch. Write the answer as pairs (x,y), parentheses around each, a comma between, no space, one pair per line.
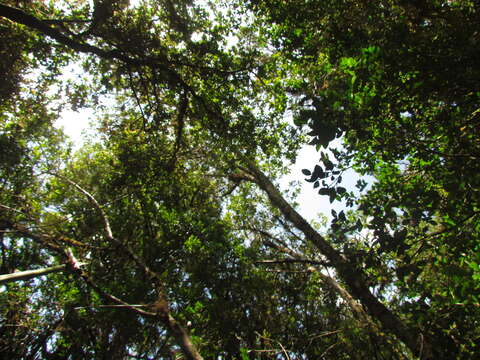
(161,308)
(109,234)
(32,22)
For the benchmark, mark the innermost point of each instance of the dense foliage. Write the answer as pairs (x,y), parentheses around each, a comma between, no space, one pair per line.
(165,236)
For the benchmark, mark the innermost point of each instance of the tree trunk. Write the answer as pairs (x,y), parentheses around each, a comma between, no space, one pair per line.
(353,277)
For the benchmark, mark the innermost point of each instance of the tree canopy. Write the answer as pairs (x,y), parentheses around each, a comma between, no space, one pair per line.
(167,236)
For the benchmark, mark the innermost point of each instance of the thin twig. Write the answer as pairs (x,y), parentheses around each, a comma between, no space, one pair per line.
(135,95)
(278,342)
(112,306)
(109,234)
(290,261)
(329,348)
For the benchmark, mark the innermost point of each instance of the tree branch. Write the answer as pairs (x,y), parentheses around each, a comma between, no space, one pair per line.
(357,309)
(182,110)
(161,308)
(32,22)
(348,272)
(290,261)
(109,234)
(30,274)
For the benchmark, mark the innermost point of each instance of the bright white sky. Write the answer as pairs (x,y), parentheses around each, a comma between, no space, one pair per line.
(75,124)
(311,203)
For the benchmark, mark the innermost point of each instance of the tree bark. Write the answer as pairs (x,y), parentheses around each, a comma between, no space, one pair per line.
(183,339)
(30,274)
(353,277)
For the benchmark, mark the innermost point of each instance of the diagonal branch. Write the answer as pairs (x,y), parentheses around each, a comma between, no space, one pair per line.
(161,63)
(32,22)
(348,272)
(182,110)
(109,234)
(111,298)
(161,308)
(43,239)
(49,242)
(137,99)
(289,261)
(357,309)
(106,224)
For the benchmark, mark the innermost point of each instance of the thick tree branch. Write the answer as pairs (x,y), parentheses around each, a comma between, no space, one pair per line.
(32,22)
(348,272)
(357,309)
(183,339)
(30,274)
(43,239)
